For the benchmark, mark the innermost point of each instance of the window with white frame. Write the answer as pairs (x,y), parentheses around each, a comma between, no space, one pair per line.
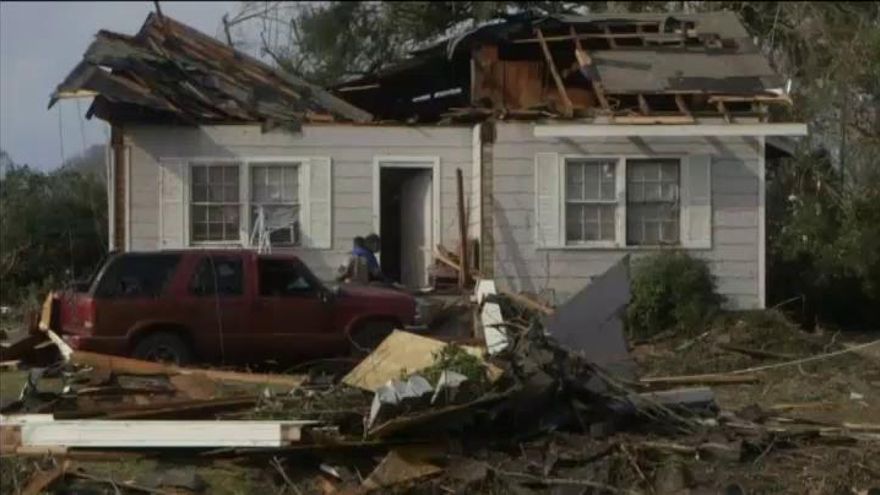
(275,201)
(590,200)
(652,202)
(215,207)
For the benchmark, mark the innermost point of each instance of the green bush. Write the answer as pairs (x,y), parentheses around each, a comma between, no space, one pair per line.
(671,290)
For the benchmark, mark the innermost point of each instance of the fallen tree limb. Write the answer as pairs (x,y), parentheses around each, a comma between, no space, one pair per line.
(712,378)
(757,353)
(798,361)
(528,302)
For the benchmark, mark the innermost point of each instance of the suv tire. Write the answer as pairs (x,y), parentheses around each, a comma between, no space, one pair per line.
(163,347)
(368,336)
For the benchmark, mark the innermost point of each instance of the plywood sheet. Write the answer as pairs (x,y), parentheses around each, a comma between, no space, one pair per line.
(400,353)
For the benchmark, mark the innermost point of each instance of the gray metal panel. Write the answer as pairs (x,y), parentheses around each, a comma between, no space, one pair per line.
(650,71)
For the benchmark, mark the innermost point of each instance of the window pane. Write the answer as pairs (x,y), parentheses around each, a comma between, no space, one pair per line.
(230,175)
(574,181)
(590,180)
(199,175)
(200,231)
(215,175)
(586,222)
(573,222)
(215,193)
(230,194)
(215,232)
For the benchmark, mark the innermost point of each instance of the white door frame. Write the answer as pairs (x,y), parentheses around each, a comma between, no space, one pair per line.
(427,162)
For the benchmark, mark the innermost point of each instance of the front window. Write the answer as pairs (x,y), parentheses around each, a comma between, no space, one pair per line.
(652,202)
(590,200)
(215,206)
(275,203)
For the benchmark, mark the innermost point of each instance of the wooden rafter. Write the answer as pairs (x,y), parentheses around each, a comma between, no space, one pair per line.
(584,60)
(643,104)
(722,109)
(568,111)
(682,105)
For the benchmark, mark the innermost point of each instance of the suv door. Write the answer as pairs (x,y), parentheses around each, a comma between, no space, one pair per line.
(216,293)
(292,314)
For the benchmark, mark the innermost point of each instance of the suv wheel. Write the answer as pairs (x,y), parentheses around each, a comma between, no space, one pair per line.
(368,336)
(163,347)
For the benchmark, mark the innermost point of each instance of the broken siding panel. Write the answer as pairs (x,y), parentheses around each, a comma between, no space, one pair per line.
(351,150)
(519,265)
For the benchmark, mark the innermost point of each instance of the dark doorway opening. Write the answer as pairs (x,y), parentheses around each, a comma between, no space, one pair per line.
(405,223)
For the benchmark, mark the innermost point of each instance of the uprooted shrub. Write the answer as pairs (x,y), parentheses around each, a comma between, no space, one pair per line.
(671,290)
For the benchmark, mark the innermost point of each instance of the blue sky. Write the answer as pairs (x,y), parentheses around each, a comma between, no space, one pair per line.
(40,42)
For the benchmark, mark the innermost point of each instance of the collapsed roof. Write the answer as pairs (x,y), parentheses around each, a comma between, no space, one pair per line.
(170,72)
(620,65)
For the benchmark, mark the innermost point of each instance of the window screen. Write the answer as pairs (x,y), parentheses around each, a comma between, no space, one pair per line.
(218,275)
(275,191)
(214,202)
(137,276)
(652,208)
(590,200)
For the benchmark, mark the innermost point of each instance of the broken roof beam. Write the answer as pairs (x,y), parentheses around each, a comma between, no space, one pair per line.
(568,109)
(586,63)
(682,105)
(611,130)
(643,104)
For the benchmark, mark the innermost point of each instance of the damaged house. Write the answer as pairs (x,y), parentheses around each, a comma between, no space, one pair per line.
(580,138)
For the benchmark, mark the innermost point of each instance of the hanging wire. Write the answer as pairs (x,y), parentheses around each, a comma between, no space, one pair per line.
(82,125)
(61,133)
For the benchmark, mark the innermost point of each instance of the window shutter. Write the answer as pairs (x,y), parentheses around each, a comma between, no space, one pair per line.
(317,217)
(547,200)
(696,201)
(172,204)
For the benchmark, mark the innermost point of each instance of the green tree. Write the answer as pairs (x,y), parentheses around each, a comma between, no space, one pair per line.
(52,227)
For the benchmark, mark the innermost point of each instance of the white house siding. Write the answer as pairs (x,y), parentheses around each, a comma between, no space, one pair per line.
(560,272)
(351,149)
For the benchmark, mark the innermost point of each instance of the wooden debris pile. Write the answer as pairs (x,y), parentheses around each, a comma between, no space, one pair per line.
(417,415)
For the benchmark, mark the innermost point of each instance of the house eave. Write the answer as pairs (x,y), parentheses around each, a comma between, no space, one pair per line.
(673,130)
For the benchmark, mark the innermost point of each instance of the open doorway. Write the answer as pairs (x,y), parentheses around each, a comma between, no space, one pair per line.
(406,220)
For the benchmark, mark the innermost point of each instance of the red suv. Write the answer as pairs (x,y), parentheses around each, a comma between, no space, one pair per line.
(229,306)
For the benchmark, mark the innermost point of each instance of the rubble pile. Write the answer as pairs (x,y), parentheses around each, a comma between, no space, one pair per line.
(419,415)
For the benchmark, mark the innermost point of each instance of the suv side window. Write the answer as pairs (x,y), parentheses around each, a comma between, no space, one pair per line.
(281,278)
(137,275)
(218,275)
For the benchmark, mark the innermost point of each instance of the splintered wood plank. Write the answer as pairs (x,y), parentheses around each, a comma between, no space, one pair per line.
(159,434)
(643,104)
(568,111)
(722,109)
(682,105)
(584,59)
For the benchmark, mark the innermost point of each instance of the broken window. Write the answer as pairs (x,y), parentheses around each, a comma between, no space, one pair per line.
(218,275)
(214,202)
(275,197)
(590,200)
(279,278)
(652,202)
(137,276)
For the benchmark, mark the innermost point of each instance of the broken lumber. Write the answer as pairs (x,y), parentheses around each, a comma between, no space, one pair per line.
(463,275)
(401,352)
(41,481)
(756,353)
(129,366)
(171,409)
(528,302)
(43,431)
(568,108)
(713,378)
